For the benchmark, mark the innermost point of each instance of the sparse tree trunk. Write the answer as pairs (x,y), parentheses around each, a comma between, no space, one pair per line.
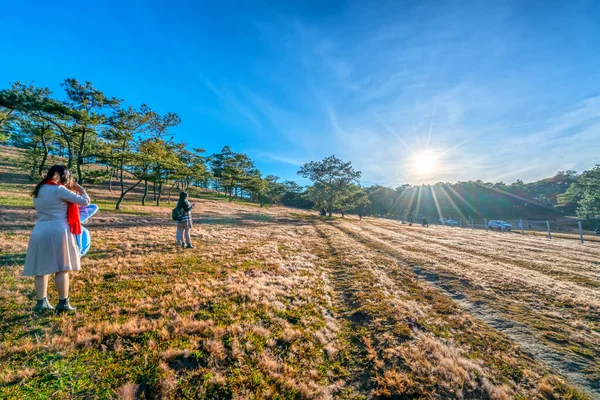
(170,191)
(145,192)
(79,173)
(122,181)
(330,206)
(70,155)
(80,157)
(118,206)
(45,148)
(123,193)
(110,179)
(159,194)
(154,190)
(65,136)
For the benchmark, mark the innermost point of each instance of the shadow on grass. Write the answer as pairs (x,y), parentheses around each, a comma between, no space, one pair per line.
(130,220)
(12,259)
(250,220)
(15,178)
(109,207)
(17,217)
(207,195)
(243,220)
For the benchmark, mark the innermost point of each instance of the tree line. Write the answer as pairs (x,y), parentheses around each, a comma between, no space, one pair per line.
(102,140)
(336,189)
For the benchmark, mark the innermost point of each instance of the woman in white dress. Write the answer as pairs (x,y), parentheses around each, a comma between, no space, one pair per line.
(52,247)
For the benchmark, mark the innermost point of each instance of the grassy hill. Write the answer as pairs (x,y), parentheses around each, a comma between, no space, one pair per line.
(278,303)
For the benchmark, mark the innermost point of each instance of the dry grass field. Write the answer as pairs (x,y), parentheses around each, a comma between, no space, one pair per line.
(279,303)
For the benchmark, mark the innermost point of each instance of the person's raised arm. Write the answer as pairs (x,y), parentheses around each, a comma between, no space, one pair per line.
(81,199)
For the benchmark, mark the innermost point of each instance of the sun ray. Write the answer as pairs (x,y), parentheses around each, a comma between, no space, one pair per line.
(515,196)
(435,200)
(451,200)
(393,132)
(398,199)
(412,199)
(463,200)
(418,202)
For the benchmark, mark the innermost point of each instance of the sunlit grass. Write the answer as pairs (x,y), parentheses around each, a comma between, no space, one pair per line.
(280,303)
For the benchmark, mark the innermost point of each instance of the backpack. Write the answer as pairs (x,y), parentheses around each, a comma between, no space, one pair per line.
(176,214)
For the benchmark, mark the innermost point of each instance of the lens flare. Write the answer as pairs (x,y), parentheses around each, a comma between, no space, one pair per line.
(425,162)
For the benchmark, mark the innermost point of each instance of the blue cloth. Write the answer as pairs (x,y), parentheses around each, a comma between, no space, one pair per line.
(87,212)
(84,241)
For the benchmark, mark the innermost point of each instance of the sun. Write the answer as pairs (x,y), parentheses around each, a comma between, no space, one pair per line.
(424,162)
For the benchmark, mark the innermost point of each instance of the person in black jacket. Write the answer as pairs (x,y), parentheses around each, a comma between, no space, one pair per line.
(184,223)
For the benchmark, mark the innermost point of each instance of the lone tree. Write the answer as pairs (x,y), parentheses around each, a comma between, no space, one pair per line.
(332,178)
(354,199)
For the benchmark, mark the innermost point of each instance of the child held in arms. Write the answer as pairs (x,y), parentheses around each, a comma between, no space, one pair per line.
(53,247)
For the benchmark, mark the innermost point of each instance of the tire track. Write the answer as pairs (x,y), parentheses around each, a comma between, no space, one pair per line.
(361,373)
(565,274)
(585,300)
(575,267)
(572,368)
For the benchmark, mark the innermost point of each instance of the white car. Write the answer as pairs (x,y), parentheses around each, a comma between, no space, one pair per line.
(450,222)
(500,225)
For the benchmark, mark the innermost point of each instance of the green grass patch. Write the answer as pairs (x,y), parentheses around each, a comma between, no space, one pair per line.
(16,201)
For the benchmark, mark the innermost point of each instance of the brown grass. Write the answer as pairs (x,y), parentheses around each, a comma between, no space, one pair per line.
(275,303)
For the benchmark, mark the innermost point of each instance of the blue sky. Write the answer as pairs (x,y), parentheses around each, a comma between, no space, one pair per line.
(495,90)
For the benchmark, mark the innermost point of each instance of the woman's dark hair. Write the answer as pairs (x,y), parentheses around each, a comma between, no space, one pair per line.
(56,172)
(182,200)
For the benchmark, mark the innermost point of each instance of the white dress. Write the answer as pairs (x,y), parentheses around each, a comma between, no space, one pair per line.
(52,247)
